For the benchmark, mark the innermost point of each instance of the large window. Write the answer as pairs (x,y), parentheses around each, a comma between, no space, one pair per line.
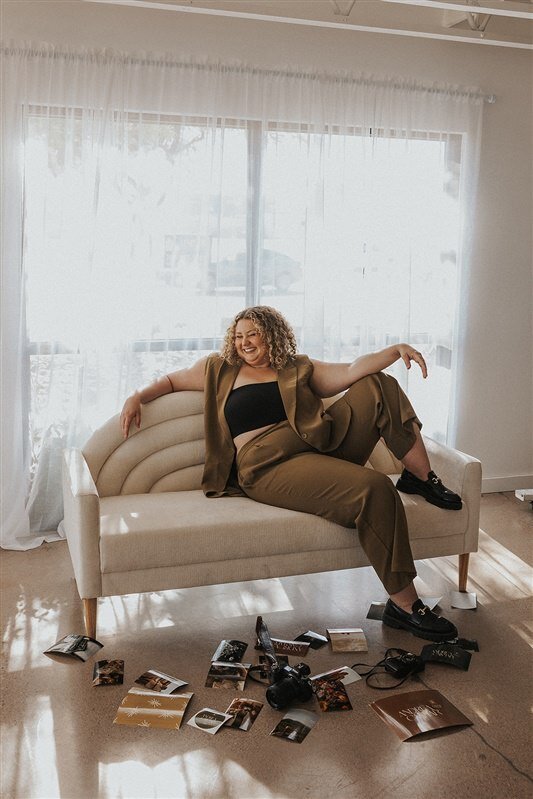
(139,252)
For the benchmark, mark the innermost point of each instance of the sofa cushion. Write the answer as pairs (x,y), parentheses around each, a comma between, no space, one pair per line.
(143,531)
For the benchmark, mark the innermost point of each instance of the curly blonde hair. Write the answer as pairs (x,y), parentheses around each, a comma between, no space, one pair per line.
(276,331)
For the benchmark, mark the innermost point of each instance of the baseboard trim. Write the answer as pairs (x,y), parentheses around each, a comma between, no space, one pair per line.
(490,485)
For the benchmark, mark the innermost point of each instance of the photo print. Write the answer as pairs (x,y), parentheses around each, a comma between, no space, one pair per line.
(209,720)
(295,725)
(146,709)
(343,674)
(227,675)
(229,651)
(315,640)
(243,713)
(331,695)
(153,680)
(108,672)
(76,647)
(347,639)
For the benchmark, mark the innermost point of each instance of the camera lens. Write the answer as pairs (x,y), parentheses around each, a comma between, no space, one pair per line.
(281,694)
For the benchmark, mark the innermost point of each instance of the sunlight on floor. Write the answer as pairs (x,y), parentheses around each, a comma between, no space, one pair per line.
(137,612)
(525,631)
(32,628)
(495,573)
(186,776)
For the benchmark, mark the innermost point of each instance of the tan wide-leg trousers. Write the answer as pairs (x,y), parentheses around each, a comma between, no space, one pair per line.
(279,468)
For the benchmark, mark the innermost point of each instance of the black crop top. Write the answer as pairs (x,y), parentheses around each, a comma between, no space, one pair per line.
(252,406)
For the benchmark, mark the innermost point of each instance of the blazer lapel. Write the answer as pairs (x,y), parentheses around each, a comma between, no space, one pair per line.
(287,381)
(226,379)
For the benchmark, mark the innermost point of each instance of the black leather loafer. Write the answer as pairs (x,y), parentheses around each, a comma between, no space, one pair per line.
(431,489)
(421,622)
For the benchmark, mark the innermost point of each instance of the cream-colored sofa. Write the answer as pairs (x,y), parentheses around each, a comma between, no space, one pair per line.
(136,519)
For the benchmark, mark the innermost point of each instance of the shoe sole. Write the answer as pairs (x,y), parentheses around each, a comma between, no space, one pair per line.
(432,500)
(418,633)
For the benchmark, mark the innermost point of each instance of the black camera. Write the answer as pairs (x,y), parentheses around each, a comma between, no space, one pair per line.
(403,664)
(288,683)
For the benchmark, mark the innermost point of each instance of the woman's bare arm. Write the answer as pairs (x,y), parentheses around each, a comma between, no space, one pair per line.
(329,379)
(190,379)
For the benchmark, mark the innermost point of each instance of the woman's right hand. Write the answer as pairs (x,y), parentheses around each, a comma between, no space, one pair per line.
(130,412)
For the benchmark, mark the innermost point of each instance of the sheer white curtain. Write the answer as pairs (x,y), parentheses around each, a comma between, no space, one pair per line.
(147,200)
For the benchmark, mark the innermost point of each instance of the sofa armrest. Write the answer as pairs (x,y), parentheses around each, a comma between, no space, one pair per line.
(81,524)
(461,473)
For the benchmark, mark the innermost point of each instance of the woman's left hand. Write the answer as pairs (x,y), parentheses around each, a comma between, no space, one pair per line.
(408,354)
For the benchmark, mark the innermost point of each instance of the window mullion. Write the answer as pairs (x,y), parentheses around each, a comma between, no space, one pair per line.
(253,218)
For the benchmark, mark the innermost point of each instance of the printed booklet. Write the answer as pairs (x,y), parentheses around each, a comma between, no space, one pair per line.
(78,647)
(416,712)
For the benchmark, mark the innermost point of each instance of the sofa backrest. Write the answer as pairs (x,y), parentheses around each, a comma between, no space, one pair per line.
(167,453)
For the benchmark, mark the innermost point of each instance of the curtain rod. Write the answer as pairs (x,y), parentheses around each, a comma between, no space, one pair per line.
(106,56)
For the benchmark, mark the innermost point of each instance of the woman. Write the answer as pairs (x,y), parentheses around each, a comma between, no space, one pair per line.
(269,437)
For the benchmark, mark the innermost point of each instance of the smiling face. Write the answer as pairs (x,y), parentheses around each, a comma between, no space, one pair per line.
(250,344)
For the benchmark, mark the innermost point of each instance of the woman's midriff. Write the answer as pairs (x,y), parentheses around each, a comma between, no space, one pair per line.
(244,438)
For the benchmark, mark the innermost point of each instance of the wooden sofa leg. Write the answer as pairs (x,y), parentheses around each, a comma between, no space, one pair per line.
(89,615)
(463,570)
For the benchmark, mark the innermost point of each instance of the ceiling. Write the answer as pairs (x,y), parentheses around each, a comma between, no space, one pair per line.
(501,23)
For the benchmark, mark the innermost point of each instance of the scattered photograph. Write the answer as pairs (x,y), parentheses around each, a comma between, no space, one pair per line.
(295,725)
(315,640)
(153,680)
(145,709)
(296,648)
(343,674)
(108,672)
(227,675)
(243,713)
(331,695)
(77,647)
(375,611)
(347,639)
(230,651)
(415,712)
(209,720)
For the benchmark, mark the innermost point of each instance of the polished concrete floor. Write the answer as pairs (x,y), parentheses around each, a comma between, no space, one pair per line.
(58,738)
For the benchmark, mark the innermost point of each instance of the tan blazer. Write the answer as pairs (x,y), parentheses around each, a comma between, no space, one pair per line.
(305,413)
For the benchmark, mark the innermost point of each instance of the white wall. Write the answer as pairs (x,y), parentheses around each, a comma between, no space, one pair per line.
(499,345)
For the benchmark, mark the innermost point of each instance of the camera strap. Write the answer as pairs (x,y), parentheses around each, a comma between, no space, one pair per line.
(398,663)
(451,654)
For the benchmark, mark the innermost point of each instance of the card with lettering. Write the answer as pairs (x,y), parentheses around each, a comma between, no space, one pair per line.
(347,639)
(295,648)
(209,720)
(416,712)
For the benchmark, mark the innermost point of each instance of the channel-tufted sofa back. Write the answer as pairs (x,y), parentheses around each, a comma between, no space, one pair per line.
(167,453)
